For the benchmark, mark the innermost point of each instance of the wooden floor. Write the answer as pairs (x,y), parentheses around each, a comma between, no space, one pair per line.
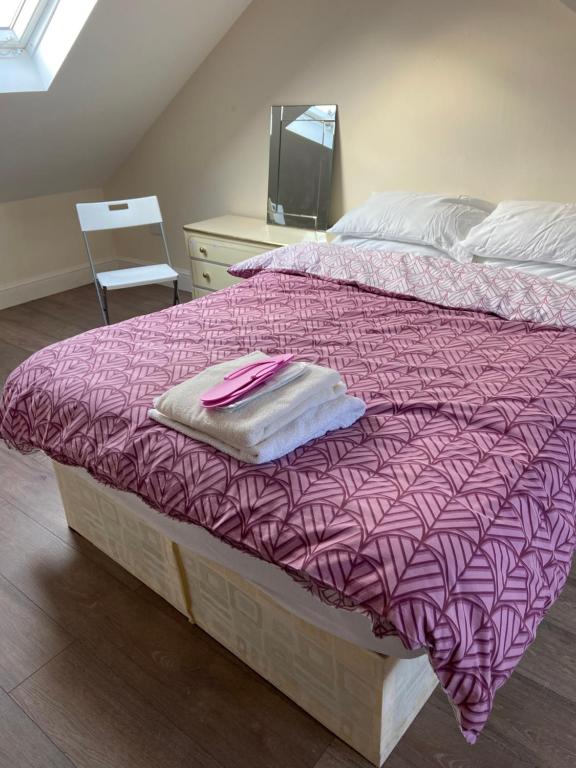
(97,672)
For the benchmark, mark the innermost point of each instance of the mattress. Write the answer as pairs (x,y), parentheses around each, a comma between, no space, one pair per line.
(351,626)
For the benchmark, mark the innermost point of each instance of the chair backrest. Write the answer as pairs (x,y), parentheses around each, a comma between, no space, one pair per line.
(116,214)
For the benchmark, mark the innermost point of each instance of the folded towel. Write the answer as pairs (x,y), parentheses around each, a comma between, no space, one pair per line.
(315,422)
(256,421)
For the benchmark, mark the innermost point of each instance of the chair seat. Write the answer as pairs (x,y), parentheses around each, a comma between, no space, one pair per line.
(128,278)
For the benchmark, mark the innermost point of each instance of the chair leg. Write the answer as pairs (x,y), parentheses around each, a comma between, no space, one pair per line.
(176,294)
(105,306)
(103,302)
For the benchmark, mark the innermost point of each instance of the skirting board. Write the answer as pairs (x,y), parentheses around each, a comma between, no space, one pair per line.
(49,283)
(366,699)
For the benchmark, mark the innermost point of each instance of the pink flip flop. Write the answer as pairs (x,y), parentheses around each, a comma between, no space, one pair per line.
(243,380)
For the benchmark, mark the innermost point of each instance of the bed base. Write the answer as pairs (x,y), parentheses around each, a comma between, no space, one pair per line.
(366,699)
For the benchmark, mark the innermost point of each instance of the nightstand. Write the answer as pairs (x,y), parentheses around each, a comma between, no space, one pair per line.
(213,245)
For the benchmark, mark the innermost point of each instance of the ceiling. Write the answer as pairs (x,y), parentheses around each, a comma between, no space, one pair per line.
(129,61)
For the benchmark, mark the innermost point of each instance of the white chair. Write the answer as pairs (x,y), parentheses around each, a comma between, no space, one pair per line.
(120,214)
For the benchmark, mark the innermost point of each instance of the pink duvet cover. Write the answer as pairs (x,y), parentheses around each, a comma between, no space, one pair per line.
(446,513)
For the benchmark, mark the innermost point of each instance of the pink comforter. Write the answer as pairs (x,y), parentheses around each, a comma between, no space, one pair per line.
(446,513)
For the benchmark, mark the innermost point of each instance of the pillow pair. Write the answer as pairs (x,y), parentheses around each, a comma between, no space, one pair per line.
(464,228)
(416,222)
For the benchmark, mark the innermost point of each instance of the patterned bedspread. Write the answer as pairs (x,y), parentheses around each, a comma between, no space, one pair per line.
(446,513)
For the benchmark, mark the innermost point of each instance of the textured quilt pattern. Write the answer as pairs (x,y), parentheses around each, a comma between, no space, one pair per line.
(446,513)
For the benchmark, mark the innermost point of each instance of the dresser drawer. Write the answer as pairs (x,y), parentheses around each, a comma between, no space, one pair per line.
(211,276)
(222,251)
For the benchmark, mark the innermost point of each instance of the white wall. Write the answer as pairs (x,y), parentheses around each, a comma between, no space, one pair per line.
(442,95)
(41,248)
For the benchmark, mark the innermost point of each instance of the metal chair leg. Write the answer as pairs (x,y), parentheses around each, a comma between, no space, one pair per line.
(176,294)
(102,301)
(105,306)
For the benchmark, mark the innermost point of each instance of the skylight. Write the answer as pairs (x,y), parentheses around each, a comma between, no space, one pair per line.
(35,38)
(19,19)
(8,11)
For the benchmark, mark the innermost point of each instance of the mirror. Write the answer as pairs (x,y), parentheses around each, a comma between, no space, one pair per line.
(300,173)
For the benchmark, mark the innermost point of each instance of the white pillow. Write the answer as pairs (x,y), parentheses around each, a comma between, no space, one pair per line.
(525,230)
(559,273)
(410,217)
(389,246)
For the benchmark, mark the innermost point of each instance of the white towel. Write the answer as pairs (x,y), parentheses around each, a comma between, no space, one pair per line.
(315,422)
(254,422)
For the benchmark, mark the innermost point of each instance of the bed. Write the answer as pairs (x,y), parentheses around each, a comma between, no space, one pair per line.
(443,519)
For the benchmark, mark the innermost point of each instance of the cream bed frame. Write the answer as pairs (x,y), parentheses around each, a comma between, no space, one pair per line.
(366,699)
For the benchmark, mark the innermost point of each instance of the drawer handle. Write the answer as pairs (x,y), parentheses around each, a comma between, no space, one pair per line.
(206,276)
(203,251)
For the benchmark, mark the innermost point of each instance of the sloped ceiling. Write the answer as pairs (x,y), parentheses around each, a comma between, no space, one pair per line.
(129,61)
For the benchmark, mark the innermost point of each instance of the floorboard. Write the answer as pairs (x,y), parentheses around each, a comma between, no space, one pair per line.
(433,742)
(34,491)
(104,674)
(57,578)
(537,721)
(20,335)
(211,696)
(90,714)
(10,357)
(563,612)
(30,638)
(550,660)
(22,743)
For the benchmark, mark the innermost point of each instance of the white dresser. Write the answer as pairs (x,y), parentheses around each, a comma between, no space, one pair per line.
(213,245)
